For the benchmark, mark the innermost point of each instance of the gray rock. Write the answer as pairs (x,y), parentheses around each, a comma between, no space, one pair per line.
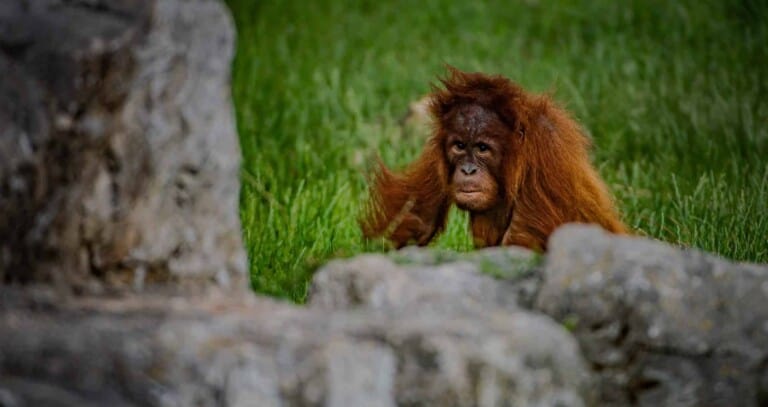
(220,349)
(378,282)
(118,154)
(660,325)
(435,290)
(414,276)
(18,392)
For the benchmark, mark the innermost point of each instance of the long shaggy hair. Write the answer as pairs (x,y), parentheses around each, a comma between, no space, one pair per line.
(547,178)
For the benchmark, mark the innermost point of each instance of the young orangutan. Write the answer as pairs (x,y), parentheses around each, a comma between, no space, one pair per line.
(516,161)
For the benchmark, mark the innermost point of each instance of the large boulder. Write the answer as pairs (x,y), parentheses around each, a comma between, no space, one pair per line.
(162,350)
(118,154)
(660,325)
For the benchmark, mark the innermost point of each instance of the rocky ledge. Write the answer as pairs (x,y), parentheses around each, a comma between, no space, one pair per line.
(600,319)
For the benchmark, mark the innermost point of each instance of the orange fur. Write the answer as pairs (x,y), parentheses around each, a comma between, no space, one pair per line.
(547,178)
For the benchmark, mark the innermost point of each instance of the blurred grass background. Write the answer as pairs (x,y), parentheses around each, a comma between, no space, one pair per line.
(674,95)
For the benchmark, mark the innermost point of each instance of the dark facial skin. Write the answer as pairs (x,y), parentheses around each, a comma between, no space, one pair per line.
(474,156)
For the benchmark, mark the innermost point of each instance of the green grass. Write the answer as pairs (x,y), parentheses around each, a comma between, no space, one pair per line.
(674,95)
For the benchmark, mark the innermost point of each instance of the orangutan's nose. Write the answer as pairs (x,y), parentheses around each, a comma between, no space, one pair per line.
(468,168)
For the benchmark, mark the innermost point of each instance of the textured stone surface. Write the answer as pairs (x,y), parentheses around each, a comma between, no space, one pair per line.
(221,349)
(661,325)
(413,277)
(656,325)
(118,154)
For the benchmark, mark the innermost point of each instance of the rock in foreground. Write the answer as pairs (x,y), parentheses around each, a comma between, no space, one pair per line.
(220,350)
(650,325)
(661,325)
(118,154)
